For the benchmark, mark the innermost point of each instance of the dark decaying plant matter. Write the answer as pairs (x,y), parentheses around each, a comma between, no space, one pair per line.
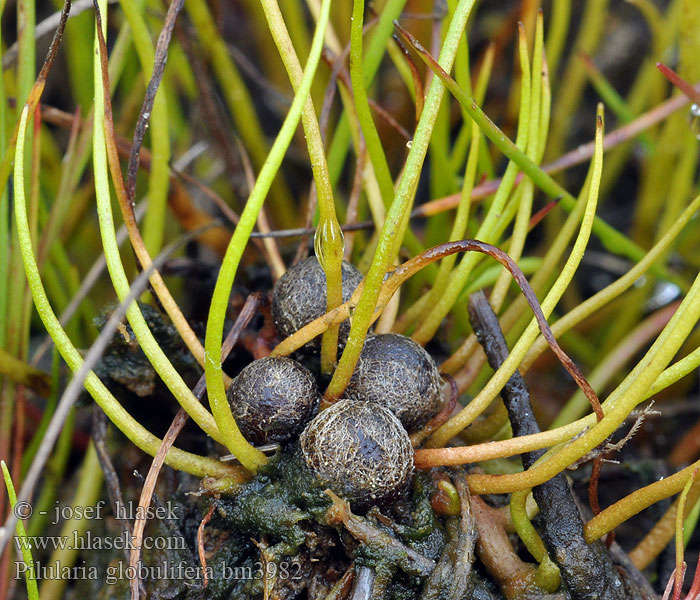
(322,370)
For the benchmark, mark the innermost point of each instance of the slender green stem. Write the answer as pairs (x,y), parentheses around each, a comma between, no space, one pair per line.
(680,546)
(613,240)
(661,533)
(558,32)
(26,55)
(370,64)
(548,576)
(610,365)
(25,546)
(86,495)
(612,291)
(676,371)
(496,383)
(329,236)
(523,527)
(637,501)
(250,457)
(399,207)
(442,296)
(156,356)
(621,402)
(364,115)
(521,227)
(197,465)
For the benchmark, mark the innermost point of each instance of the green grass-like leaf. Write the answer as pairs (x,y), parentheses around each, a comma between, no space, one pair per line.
(23,542)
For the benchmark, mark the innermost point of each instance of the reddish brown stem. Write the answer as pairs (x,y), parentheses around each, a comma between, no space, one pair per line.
(147,494)
(200,544)
(679,82)
(415,75)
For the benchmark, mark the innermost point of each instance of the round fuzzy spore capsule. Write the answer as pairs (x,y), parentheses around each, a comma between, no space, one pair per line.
(299,296)
(360,451)
(397,373)
(272,399)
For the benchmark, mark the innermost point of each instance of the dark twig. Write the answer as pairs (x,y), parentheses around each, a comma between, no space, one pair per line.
(161,58)
(515,394)
(114,491)
(562,522)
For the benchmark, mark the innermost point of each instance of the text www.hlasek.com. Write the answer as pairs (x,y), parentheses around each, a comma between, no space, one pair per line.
(88,541)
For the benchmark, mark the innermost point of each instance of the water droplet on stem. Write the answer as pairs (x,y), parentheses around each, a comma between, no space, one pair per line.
(328,230)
